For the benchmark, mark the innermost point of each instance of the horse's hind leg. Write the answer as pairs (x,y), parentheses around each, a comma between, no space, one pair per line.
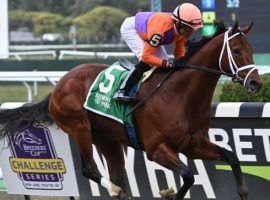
(164,156)
(210,151)
(79,129)
(113,152)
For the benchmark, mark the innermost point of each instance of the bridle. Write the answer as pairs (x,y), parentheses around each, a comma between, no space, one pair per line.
(233,66)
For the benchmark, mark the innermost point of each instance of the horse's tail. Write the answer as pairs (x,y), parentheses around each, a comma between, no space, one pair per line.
(21,118)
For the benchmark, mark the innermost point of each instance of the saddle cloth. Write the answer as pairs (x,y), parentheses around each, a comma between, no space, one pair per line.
(100,96)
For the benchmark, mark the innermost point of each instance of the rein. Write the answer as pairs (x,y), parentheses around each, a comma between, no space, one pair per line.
(151,93)
(205,69)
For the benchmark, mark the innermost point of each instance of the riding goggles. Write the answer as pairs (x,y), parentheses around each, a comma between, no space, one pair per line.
(195,24)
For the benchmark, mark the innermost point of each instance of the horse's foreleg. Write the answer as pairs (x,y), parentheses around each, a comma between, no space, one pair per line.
(232,159)
(164,156)
(210,151)
(113,152)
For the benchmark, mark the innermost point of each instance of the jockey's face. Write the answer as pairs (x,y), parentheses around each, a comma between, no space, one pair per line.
(185,30)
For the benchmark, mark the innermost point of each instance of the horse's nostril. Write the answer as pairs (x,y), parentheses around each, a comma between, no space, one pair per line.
(255,85)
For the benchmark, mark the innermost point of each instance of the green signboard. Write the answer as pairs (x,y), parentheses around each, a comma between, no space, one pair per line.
(208,30)
(209,16)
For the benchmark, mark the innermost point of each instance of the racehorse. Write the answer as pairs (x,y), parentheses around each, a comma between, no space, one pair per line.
(176,118)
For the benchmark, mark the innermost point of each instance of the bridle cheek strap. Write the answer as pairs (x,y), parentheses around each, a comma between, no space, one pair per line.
(233,66)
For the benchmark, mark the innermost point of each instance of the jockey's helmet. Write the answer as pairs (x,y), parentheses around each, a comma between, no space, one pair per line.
(188,14)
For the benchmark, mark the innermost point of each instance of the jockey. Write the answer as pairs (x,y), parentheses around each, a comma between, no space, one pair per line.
(148,32)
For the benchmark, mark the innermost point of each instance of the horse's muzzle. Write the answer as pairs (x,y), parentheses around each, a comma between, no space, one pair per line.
(253,86)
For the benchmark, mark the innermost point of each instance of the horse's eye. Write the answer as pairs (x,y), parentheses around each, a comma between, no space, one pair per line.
(237,52)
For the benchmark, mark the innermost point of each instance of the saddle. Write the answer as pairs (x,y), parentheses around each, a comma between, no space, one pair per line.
(126,64)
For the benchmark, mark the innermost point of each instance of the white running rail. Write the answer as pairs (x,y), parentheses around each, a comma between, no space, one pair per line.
(32,76)
(94,54)
(53,77)
(32,53)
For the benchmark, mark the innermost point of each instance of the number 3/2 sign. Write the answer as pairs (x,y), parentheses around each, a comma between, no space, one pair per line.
(233,3)
(155,40)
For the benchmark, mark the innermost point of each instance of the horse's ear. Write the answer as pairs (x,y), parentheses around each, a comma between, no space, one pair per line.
(235,27)
(246,29)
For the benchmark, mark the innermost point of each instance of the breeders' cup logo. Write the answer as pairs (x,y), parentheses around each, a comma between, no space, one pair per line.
(34,159)
(27,137)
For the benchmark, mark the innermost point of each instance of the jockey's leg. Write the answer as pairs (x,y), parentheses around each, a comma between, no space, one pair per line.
(210,151)
(166,157)
(132,78)
(136,44)
(131,37)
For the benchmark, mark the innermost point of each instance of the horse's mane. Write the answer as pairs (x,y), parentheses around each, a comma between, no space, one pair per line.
(194,47)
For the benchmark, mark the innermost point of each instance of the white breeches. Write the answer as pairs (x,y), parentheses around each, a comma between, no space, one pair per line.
(134,42)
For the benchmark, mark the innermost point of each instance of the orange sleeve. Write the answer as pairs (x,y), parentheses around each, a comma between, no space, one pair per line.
(148,55)
(180,50)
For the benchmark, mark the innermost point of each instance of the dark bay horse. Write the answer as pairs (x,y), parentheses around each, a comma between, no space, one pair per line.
(175,120)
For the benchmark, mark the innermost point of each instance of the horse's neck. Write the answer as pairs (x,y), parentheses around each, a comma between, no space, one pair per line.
(202,89)
(202,84)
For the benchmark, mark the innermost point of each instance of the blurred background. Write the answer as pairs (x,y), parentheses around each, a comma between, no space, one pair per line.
(57,35)
(42,40)
(98,21)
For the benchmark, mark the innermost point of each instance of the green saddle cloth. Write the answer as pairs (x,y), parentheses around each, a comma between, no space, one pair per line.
(100,96)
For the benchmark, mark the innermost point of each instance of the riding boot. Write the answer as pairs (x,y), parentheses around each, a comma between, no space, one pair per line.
(132,78)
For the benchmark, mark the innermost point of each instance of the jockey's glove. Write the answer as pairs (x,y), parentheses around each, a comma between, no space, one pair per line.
(178,62)
(174,62)
(170,63)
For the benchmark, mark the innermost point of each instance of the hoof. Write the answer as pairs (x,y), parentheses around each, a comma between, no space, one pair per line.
(123,196)
(243,192)
(168,193)
(244,197)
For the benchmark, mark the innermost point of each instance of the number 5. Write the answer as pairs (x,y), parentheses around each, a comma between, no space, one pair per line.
(155,40)
(109,76)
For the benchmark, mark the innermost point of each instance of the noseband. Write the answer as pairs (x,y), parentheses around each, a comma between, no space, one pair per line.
(233,66)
